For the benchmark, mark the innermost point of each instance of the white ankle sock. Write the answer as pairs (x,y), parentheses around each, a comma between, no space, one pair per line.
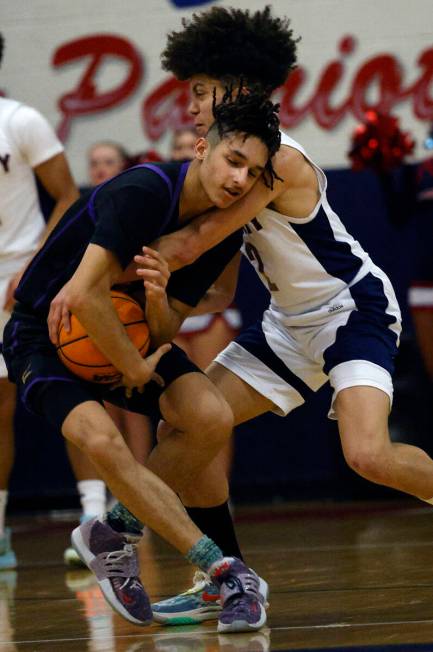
(3,502)
(92,496)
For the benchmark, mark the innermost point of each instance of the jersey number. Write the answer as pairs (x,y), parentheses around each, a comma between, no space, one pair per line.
(254,255)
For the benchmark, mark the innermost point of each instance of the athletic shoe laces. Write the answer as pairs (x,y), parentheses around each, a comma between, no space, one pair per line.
(199,582)
(122,562)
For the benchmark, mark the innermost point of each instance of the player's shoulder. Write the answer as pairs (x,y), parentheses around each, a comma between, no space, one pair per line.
(289,157)
(6,103)
(23,113)
(8,107)
(157,177)
(293,166)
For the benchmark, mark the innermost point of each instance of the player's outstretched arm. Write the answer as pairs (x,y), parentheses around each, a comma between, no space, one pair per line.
(295,194)
(204,232)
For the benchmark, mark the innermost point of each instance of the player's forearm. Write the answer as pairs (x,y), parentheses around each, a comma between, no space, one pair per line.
(96,313)
(186,245)
(163,322)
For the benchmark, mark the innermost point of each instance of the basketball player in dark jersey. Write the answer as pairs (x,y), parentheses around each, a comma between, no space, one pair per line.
(86,255)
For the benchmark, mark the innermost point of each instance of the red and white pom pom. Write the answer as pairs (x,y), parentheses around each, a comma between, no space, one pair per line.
(379,144)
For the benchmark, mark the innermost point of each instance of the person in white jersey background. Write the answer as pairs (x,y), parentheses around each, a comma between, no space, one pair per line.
(332,314)
(28,147)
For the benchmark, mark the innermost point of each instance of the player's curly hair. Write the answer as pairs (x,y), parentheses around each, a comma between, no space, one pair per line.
(251,114)
(227,43)
(2,46)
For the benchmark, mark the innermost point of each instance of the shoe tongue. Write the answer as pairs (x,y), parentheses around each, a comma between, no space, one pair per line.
(105,539)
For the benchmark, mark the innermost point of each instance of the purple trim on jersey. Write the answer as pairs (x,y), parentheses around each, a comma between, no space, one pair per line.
(40,379)
(161,173)
(89,207)
(149,166)
(52,239)
(14,336)
(178,188)
(335,256)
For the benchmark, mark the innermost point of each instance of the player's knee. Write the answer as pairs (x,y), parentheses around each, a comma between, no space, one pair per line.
(215,417)
(103,444)
(368,461)
(92,438)
(208,419)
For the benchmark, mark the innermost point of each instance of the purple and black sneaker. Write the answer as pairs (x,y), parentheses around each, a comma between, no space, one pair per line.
(243,596)
(113,559)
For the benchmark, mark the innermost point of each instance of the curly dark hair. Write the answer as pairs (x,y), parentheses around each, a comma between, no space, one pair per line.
(227,43)
(251,114)
(2,46)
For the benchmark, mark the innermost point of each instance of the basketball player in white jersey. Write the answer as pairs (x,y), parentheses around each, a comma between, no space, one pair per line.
(333,314)
(28,146)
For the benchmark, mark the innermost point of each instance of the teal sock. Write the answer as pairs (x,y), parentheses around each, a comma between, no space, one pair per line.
(204,553)
(121,520)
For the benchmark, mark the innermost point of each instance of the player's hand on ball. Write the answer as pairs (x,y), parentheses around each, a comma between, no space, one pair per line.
(145,372)
(59,313)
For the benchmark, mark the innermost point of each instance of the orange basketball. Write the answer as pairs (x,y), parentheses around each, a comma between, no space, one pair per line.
(81,356)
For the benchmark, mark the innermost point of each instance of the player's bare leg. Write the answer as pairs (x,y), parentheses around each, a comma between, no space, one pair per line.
(202,347)
(92,502)
(362,414)
(201,422)
(92,493)
(211,486)
(136,429)
(206,500)
(112,556)
(90,428)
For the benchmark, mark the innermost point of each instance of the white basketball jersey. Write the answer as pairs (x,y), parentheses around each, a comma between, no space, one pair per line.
(305,263)
(26,140)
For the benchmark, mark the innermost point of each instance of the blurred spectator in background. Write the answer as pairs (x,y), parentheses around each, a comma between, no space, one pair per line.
(28,146)
(182,144)
(105,159)
(421,287)
(202,337)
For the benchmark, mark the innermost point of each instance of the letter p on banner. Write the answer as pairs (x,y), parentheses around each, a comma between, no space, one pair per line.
(84,98)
